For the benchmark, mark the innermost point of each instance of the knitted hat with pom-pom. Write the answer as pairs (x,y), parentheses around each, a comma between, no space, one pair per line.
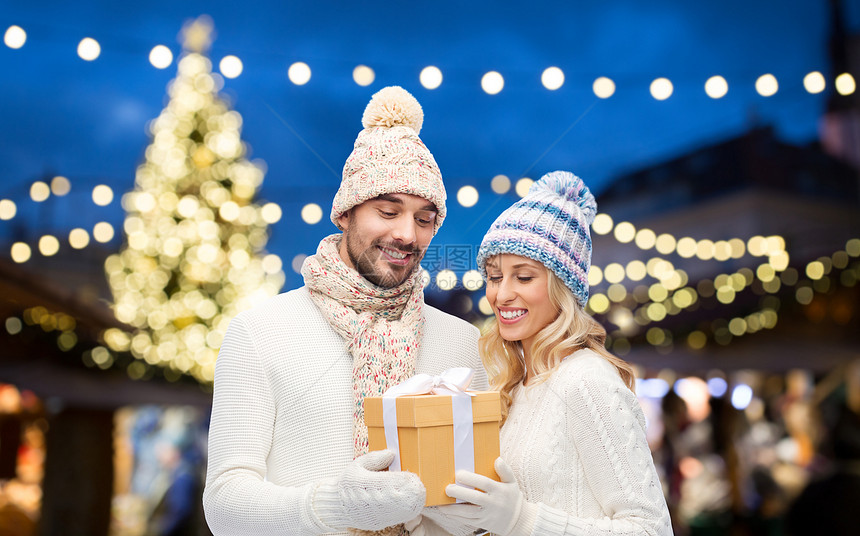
(549,225)
(388,156)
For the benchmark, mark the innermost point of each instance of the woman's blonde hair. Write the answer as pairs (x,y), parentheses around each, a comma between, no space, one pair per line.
(572,330)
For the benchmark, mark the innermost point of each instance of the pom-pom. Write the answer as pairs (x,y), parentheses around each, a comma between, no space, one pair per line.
(571,187)
(393,106)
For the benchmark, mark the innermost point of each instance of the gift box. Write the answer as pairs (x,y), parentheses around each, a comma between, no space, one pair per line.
(426,437)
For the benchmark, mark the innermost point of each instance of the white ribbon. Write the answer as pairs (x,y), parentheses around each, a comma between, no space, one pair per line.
(453,382)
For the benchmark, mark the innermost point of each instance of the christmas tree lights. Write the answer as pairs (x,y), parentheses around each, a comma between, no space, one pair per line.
(193,256)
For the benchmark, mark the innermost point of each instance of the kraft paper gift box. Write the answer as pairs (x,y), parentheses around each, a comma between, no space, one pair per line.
(425,431)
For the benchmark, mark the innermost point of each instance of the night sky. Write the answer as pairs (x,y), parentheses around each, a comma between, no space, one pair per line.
(87,121)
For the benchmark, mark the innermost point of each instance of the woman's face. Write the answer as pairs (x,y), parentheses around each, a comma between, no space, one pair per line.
(518,292)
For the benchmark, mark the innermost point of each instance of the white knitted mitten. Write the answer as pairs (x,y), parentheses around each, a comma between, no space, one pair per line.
(366,497)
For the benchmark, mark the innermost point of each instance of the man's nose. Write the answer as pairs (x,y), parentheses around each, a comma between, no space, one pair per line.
(403,230)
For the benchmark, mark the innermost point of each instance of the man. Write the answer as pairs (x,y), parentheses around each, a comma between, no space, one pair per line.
(287,441)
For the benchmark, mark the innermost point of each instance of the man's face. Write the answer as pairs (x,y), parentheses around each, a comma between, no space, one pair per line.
(386,237)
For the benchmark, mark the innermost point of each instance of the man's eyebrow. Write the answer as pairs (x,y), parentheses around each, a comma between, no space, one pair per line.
(391,198)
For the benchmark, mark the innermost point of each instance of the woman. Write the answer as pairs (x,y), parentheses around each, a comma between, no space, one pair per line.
(574,455)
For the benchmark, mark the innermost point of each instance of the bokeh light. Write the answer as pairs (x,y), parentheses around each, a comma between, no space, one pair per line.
(500,184)
(230,66)
(160,57)
(60,186)
(766,85)
(430,77)
(363,75)
(603,87)
(312,213)
(89,49)
(467,196)
(299,73)
(523,185)
(716,87)
(552,78)
(661,89)
(845,84)
(15,37)
(814,82)
(102,195)
(39,191)
(492,82)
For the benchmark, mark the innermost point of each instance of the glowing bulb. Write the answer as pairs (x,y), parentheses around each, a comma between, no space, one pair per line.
(484,306)
(271,212)
(766,85)
(230,66)
(523,185)
(446,280)
(299,73)
(79,238)
(312,213)
(661,89)
(39,191)
(625,232)
(467,196)
(552,78)
(473,280)
(845,84)
(15,37)
(8,209)
(103,232)
(500,184)
(89,49)
(20,252)
(492,83)
(716,87)
(603,87)
(430,77)
(160,57)
(60,186)
(602,224)
(102,195)
(49,245)
(814,82)
(363,75)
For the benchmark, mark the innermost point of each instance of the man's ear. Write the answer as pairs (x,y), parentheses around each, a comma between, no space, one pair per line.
(343,219)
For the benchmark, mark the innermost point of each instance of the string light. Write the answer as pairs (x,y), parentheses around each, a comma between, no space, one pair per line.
(603,87)
(15,37)
(552,78)
(766,85)
(299,73)
(230,66)
(500,184)
(430,77)
(363,75)
(467,196)
(845,84)
(661,89)
(492,83)
(716,87)
(89,49)
(160,57)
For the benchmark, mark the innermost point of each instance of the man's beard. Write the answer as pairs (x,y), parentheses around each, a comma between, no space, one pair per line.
(365,261)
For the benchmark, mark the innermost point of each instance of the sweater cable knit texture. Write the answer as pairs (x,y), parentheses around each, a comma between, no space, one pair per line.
(576,443)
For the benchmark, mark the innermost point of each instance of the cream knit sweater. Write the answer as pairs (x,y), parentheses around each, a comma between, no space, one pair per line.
(282,412)
(576,443)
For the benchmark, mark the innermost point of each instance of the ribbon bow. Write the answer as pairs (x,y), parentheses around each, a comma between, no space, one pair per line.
(453,382)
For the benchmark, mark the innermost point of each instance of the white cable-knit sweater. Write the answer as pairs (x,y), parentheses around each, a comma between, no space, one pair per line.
(576,443)
(282,412)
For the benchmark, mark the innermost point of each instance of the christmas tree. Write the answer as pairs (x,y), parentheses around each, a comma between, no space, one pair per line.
(193,255)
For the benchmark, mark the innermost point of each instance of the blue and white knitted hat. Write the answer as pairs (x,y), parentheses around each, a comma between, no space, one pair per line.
(549,225)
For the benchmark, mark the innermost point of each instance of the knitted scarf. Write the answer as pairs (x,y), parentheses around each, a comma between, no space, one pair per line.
(382,329)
